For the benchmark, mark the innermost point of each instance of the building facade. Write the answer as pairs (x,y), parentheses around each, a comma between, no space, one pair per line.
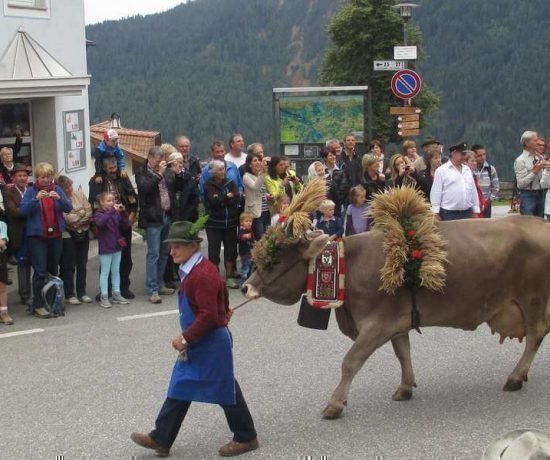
(44,85)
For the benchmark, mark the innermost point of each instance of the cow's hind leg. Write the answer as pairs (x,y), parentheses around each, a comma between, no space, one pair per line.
(402,348)
(519,374)
(366,343)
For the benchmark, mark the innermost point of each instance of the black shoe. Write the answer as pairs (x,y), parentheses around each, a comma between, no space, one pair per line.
(128,294)
(12,260)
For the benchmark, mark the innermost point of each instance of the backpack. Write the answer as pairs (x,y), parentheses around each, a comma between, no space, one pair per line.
(53,296)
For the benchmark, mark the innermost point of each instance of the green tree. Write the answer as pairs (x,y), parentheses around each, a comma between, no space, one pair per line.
(361,32)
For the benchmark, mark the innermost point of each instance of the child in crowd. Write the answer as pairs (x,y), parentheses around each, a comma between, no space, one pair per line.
(330,224)
(109,147)
(4,315)
(279,216)
(109,219)
(316,170)
(357,220)
(246,242)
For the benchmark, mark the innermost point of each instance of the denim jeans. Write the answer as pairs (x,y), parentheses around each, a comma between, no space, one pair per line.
(45,259)
(455,215)
(74,256)
(246,267)
(531,203)
(260,224)
(110,265)
(157,254)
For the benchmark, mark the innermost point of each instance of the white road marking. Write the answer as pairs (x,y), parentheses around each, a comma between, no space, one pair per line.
(148,315)
(15,334)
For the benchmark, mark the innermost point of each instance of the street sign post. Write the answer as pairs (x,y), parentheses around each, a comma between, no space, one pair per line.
(406,84)
(413,117)
(407,53)
(386,66)
(404,110)
(408,132)
(409,125)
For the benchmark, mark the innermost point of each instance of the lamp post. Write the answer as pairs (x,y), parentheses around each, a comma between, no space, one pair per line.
(405,11)
(115,121)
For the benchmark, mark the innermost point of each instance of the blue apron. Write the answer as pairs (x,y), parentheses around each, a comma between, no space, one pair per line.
(207,376)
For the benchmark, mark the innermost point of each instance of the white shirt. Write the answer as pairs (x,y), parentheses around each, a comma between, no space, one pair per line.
(186,267)
(523,167)
(454,190)
(238,161)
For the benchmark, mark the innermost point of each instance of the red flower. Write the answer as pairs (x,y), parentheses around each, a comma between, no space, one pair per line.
(411,233)
(416,254)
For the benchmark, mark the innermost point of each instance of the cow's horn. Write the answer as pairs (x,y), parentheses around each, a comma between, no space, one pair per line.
(316,246)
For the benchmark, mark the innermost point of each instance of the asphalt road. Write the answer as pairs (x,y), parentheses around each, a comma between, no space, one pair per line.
(84,382)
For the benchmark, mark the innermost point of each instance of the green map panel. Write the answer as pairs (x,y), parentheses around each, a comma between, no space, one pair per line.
(315,119)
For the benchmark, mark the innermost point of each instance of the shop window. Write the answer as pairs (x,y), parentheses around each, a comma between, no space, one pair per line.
(15,131)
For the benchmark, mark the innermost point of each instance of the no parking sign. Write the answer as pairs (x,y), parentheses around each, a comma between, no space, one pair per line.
(406,84)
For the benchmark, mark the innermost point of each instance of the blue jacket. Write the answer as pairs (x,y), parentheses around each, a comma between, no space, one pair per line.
(102,151)
(30,207)
(231,173)
(332,227)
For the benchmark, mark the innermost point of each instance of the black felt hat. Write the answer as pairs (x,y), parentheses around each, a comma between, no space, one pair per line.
(183,232)
(430,140)
(460,147)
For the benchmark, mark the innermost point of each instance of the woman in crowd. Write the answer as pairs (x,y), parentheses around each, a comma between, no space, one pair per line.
(281,180)
(469,160)
(44,204)
(373,180)
(409,150)
(375,148)
(76,242)
(255,190)
(222,205)
(402,171)
(426,177)
(336,179)
(184,195)
(316,170)
(6,166)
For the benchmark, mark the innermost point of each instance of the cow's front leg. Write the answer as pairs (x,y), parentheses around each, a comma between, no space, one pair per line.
(519,374)
(402,348)
(368,340)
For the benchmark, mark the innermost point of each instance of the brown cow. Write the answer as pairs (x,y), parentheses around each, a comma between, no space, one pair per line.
(497,274)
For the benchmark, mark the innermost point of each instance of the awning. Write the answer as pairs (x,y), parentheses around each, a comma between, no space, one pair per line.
(27,69)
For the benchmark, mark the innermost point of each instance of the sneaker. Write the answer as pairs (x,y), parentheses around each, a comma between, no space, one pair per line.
(117,298)
(128,294)
(6,318)
(144,440)
(155,298)
(86,299)
(232,283)
(233,448)
(41,313)
(73,301)
(105,302)
(166,291)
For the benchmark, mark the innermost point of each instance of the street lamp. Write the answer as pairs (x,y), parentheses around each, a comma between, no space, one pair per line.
(405,11)
(115,121)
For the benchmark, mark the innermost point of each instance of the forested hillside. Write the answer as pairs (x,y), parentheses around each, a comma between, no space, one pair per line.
(207,67)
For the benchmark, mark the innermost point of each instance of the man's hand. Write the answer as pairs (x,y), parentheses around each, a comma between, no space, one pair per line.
(132,218)
(123,173)
(162,167)
(229,314)
(437,217)
(98,179)
(178,345)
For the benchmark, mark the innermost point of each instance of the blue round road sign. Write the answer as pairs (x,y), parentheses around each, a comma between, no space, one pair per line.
(406,84)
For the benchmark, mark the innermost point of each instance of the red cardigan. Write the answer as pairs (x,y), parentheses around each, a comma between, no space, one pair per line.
(208,298)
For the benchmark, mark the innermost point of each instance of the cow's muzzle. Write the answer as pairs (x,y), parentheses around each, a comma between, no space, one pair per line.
(249,291)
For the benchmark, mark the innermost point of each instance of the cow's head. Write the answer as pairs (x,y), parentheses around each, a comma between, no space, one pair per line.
(281,266)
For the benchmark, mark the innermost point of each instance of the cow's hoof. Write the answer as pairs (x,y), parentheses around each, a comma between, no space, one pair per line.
(333,411)
(402,394)
(513,385)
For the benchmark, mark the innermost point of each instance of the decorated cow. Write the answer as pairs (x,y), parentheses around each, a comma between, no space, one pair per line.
(410,272)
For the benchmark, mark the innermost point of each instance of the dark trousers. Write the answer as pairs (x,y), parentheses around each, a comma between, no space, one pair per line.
(488,209)
(455,215)
(260,224)
(24,282)
(45,256)
(215,238)
(74,258)
(173,413)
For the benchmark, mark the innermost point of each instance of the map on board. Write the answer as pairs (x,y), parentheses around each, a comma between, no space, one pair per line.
(315,119)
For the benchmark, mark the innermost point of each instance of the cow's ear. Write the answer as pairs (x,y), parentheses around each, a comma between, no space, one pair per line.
(316,246)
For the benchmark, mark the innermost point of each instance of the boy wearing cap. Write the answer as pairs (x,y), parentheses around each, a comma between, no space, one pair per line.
(109,147)
(203,371)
